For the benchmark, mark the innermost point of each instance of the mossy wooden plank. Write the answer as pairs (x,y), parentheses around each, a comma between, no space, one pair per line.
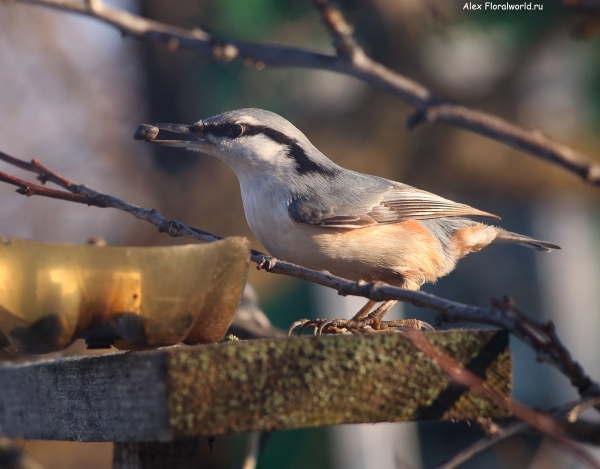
(248,385)
(315,381)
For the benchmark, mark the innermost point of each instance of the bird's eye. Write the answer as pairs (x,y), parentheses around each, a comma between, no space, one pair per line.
(235,130)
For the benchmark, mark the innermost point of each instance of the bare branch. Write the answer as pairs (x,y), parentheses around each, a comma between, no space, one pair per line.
(481,445)
(573,410)
(462,376)
(514,428)
(84,195)
(531,141)
(29,189)
(351,61)
(540,337)
(340,30)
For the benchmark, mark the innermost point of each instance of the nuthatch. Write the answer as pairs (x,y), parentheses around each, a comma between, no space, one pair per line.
(306,209)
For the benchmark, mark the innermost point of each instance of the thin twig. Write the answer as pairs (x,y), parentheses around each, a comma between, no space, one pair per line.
(29,189)
(84,195)
(341,32)
(350,60)
(581,406)
(540,337)
(462,376)
(481,445)
(514,428)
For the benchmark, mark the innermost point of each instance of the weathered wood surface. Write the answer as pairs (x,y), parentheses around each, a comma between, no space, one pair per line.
(243,386)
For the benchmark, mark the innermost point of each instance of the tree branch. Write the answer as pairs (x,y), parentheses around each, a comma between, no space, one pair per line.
(481,445)
(540,337)
(464,377)
(29,189)
(568,411)
(340,30)
(350,60)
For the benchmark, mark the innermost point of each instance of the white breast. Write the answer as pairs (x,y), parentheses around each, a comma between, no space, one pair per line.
(266,208)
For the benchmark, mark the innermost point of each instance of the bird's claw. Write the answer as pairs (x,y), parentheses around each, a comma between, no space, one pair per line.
(357,326)
(293,326)
(320,326)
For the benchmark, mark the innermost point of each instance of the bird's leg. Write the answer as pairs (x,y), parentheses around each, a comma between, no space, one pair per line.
(329,327)
(375,319)
(360,322)
(377,315)
(364,310)
(320,325)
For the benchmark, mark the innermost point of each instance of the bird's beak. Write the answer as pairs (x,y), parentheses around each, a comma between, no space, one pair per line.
(149,132)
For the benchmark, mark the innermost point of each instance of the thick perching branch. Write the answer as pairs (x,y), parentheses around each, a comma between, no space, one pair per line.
(350,60)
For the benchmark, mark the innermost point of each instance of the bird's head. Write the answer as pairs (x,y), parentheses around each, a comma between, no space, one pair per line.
(248,140)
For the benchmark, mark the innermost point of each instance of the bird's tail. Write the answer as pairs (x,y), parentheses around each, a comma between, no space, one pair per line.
(506,237)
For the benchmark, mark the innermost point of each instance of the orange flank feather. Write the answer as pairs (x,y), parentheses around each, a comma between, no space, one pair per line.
(405,254)
(473,238)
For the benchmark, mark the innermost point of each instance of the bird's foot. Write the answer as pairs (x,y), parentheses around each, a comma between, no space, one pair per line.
(357,326)
(320,326)
(413,324)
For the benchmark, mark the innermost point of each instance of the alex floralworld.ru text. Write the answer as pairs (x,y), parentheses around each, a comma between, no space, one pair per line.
(503,6)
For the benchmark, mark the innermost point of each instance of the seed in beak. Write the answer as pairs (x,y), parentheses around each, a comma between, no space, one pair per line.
(146,132)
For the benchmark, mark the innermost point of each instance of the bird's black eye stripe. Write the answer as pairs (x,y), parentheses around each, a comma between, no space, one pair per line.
(219,130)
(236,130)
(304,165)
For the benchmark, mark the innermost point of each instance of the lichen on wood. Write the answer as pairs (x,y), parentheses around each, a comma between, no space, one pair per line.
(313,381)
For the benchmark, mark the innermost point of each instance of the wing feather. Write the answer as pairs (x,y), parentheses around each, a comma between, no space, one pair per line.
(394,205)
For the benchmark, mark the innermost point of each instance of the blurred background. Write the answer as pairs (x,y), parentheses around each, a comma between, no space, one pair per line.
(72,91)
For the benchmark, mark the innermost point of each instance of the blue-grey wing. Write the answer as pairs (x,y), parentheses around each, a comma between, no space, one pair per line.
(372,202)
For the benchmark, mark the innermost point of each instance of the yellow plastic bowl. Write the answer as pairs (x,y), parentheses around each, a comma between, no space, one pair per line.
(51,294)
